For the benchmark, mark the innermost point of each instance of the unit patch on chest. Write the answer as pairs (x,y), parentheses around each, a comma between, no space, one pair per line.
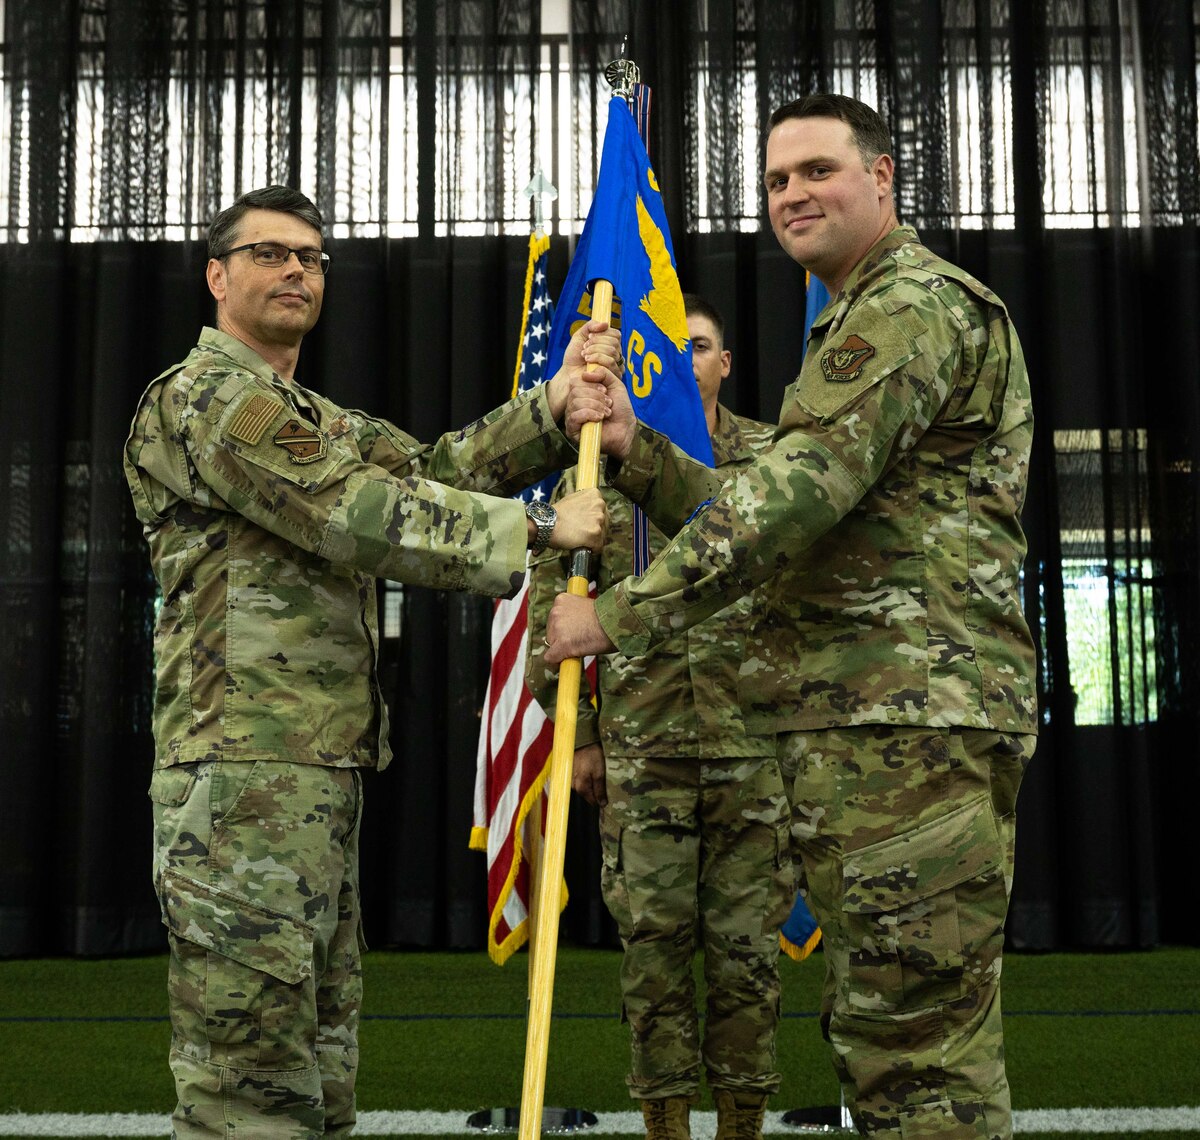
(841,365)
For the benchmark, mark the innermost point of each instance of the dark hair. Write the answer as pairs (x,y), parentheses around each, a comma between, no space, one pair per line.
(867,128)
(695,305)
(223,228)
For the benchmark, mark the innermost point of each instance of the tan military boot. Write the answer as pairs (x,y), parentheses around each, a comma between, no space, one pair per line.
(666,1118)
(739,1114)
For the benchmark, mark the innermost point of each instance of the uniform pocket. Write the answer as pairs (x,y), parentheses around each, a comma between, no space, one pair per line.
(905,900)
(783,880)
(236,928)
(172,786)
(612,874)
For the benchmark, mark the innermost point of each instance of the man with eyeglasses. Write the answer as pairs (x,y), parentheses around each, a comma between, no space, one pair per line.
(269,512)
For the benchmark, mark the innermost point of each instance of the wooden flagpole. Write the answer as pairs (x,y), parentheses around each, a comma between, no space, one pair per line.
(621,74)
(538,189)
(553,850)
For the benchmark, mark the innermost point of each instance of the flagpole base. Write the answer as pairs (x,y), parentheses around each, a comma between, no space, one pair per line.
(824,1120)
(555,1121)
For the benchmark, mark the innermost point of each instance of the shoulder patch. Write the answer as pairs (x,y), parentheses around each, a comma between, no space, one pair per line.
(254,418)
(303,443)
(841,365)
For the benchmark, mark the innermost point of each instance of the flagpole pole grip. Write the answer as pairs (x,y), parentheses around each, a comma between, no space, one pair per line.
(562,759)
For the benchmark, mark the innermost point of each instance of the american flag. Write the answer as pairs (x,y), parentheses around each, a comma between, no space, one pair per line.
(516,736)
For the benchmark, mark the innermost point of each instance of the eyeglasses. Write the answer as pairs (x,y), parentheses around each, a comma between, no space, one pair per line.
(272,255)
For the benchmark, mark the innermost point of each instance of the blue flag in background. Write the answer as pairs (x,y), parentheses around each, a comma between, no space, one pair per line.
(625,240)
(800,934)
(816,297)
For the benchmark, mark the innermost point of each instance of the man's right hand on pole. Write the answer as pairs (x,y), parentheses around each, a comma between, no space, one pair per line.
(601,395)
(582,521)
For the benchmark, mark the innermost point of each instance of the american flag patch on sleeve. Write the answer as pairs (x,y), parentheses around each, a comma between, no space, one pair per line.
(253,418)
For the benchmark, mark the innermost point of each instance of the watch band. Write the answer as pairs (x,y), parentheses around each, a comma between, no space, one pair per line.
(544,517)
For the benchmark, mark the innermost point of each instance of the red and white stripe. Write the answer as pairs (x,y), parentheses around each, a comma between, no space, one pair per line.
(512,762)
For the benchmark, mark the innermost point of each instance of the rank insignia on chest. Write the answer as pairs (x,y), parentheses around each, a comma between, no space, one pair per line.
(841,365)
(303,443)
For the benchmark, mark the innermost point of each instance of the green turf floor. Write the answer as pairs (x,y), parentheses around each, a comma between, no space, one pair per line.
(446,1031)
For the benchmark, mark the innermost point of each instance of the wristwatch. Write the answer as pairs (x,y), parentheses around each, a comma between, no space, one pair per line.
(544,517)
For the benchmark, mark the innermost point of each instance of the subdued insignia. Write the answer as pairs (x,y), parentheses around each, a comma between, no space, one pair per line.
(303,443)
(841,365)
(253,418)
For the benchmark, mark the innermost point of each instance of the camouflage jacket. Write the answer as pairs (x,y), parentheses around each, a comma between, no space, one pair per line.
(269,511)
(882,525)
(680,700)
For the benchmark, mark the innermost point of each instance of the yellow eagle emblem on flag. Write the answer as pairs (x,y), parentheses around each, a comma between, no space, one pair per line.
(664,303)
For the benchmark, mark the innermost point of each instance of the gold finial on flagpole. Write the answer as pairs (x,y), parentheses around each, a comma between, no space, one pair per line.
(622,74)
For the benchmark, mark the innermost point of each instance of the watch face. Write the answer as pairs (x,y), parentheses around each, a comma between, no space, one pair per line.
(544,517)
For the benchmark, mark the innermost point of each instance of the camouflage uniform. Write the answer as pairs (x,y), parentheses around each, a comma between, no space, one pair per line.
(269,511)
(890,651)
(695,831)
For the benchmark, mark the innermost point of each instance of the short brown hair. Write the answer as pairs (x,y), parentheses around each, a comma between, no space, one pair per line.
(224,226)
(695,305)
(867,128)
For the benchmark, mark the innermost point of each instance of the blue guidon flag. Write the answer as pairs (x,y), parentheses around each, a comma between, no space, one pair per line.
(625,240)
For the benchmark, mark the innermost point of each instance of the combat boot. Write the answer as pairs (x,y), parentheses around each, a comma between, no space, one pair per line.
(739,1114)
(666,1118)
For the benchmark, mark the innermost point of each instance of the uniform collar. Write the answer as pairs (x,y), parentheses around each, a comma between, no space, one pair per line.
(866,271)
(728,442)
(241,354)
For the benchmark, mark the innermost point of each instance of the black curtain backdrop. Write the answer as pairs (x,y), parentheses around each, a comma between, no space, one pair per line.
(422,329)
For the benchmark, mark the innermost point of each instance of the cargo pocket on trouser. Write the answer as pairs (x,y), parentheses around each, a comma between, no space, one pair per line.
(924,914)
(241,978)
(909,902)
(170,789)
(657,992)
(784,881)
(612,873)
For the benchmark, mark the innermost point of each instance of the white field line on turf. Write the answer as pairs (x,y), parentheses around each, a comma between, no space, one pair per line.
(1119,1121)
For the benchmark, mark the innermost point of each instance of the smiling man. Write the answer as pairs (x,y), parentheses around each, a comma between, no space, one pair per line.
(269,512)
(889,652)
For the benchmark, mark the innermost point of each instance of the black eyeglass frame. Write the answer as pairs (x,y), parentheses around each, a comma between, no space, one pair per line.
(322,269)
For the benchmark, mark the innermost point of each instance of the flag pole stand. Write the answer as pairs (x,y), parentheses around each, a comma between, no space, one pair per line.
(555,1121)
(824,1120)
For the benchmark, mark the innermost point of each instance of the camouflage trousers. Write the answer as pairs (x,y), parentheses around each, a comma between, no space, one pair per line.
(906,844)
(256,868)
(697,853)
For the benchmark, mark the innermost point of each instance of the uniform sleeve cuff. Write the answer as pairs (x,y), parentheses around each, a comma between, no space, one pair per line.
(558,440)
(637,471)
(623,627)
(586,732)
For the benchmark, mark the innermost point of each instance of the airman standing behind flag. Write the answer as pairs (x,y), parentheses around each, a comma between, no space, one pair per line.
(889,650)
(269,511)
(693,820)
